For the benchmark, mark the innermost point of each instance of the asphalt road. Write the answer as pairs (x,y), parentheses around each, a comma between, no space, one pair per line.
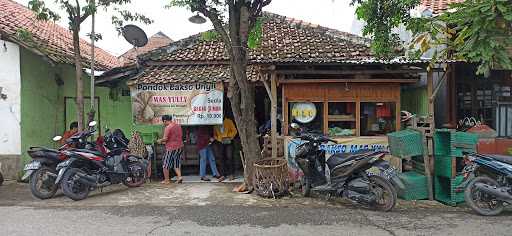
(212,209)
(243,220)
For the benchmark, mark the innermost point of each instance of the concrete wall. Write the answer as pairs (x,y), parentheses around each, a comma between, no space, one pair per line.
(10,137)
(43,103)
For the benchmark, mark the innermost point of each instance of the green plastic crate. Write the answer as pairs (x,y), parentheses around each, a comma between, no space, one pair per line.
(406,143)
(447,142)
(415,186)
(464,142)
(444,189)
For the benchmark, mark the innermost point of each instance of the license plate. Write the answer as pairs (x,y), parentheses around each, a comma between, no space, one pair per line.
(32,165)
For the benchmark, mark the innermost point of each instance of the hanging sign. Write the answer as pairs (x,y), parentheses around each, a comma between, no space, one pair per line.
(188,103)
(304,112)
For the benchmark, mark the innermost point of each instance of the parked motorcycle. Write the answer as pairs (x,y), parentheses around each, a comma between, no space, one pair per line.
(346,174)
(41,171)
(88,170)
(488,183)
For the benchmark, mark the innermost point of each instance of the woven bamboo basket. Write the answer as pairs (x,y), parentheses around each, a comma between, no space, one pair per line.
(271,177)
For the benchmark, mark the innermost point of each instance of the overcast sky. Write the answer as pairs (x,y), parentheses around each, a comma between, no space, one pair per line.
(173,22)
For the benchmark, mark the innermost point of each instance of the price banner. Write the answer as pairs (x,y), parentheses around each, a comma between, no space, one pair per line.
(188,103)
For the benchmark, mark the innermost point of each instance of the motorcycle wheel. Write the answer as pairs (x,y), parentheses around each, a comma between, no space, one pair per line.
(42,185)
(1,179)
(305,186)
(385,193)
(136,175)
(483,203)
(73,188)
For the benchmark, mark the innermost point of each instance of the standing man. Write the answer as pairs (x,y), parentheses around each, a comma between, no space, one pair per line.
(204,139)
(173,140)
(224,135)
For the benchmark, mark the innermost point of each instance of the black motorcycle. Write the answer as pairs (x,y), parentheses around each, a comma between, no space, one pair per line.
(347,174)
(41,171)
(88,170)
(487,183)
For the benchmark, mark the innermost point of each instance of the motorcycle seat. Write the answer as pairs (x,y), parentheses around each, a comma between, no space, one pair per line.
(502,158)
(340,158)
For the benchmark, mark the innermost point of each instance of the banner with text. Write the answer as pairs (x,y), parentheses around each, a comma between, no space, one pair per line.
(188,103)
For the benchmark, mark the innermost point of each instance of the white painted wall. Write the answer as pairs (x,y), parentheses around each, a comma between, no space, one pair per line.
(10,113)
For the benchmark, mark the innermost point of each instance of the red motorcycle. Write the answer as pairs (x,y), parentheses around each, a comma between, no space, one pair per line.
(87,170)
(41,171)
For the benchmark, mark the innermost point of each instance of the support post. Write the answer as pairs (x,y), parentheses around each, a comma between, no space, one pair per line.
(273,113)
(427,139)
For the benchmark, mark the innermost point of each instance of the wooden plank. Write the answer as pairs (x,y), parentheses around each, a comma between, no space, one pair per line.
(325,117)
(427,159)
(358,117)
(347,72)
(303,81)
(285,111)
(273,112)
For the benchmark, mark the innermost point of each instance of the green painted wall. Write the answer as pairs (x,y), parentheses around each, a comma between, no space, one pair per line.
(415,100)
(43,103)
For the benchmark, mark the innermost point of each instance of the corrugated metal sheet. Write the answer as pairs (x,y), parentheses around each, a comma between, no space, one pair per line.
(415,100)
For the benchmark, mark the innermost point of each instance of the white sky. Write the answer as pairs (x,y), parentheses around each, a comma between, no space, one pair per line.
(174,22)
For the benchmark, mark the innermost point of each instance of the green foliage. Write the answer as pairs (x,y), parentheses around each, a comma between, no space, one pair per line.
(381,17)
(209,35)
(475,31)
(256,34)
(24,35)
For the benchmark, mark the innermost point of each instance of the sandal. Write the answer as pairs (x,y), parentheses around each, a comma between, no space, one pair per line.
(205,179)
(180,181)
(165,182)
(220,178)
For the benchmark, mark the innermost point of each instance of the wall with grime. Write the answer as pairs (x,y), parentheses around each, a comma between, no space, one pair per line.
(44,112)
(10,136)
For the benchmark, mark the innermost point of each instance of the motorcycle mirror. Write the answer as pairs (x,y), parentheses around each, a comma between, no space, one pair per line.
(295,126)
(92,123)
(57,138)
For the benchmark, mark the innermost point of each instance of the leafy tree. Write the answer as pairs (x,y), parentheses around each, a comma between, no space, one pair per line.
(77,12)
(382,17)
(234,20)
(477,31)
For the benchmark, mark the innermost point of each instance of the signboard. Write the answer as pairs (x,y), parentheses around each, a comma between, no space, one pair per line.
(304,112)
(347,145)
(188,103)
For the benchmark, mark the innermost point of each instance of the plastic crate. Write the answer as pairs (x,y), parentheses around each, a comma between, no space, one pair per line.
(447,142)
(406,143)
(415,186)
(444,189)
(464,142)
(448,166)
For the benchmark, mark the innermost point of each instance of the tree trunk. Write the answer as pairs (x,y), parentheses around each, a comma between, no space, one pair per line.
(79,82)
(92,112)
(242,92)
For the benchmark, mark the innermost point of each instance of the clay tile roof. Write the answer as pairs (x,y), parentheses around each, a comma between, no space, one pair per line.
(189,74)
(438,6)
(156,41)
(284,39)
(48,38)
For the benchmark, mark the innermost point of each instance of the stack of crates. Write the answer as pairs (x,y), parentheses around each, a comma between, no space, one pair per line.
(415,186)
(408,144)
(449,146)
